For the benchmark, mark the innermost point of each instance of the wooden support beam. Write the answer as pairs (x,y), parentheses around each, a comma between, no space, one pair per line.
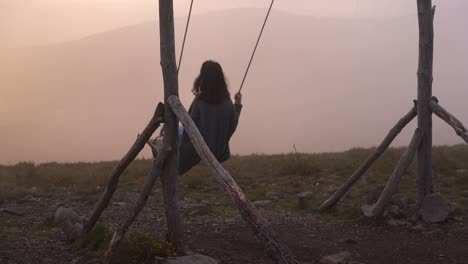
(275,249)
(459,128)
(426,54)
(156,170)
(378,208)
(333,200)
(140,142)
(171,87)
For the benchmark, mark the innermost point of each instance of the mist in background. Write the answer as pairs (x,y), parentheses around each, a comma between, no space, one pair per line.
(80,79)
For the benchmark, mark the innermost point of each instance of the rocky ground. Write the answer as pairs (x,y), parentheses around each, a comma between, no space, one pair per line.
(215,229)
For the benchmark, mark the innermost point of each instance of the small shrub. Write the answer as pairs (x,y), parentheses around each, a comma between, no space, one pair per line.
(145,248)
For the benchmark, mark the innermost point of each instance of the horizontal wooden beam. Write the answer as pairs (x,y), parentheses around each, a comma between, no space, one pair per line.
(140,142)
(333,200)
(449,118)
(275,249)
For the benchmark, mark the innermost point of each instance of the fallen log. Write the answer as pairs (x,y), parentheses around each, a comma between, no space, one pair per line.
(279,252)
(333,200)
(140,142)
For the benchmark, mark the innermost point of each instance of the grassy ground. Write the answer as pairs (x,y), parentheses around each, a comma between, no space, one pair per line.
(260,176)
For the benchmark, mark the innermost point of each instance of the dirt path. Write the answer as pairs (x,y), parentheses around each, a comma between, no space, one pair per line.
(26,239)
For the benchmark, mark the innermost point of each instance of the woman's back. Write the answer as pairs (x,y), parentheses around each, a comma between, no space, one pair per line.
(216,123)
(213,113)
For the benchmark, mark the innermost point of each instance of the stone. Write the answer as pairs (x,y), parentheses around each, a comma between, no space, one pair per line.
(461,171)
(338,258)
(400,200)
(70,222)
(418,228)
(435,208)
(71,230)
(66,214)
(304,194)
(271,196)
(261,203)
(193,259)
(355,262)
(393,222)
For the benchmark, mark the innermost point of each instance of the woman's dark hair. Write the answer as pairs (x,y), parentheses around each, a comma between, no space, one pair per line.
(210,86)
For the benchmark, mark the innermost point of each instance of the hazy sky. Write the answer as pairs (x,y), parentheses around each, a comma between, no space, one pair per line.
(81,98)
(30,22)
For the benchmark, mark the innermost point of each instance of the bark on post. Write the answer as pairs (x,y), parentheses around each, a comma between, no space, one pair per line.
(426,52)
(392,184)
(171,87)
(450,119)
(156,170)
(275,249)
(122,165)
(333,200)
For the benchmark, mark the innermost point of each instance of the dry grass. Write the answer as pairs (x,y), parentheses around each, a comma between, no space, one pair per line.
(260,176)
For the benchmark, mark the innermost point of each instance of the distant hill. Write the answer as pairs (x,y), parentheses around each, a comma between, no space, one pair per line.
(322,84)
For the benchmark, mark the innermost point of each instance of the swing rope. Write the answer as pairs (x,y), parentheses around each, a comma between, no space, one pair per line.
(255,49)
(185,36)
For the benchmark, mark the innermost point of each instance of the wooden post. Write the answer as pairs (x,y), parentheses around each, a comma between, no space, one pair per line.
(122,165)
(459,128)
(171,87)
(370,160)
(426,52)
(392,184)
(158,163)
(275,249)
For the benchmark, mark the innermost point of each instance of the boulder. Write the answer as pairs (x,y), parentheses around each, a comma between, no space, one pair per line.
(192,259)
(435,208)
(66,214)
(338,258)
(69,221)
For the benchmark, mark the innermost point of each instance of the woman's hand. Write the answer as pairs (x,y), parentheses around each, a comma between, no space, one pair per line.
(238,98)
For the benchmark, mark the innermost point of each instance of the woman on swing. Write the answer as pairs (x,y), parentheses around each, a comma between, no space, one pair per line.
(214,115)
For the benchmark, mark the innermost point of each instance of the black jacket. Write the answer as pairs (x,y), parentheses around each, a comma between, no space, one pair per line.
(217,123)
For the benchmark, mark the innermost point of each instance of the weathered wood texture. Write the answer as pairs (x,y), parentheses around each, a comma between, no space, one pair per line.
(426,53)
(171,87)
(392,184)
(333,200)
(275,249)
(450,119)
(122,165)
(156,170)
